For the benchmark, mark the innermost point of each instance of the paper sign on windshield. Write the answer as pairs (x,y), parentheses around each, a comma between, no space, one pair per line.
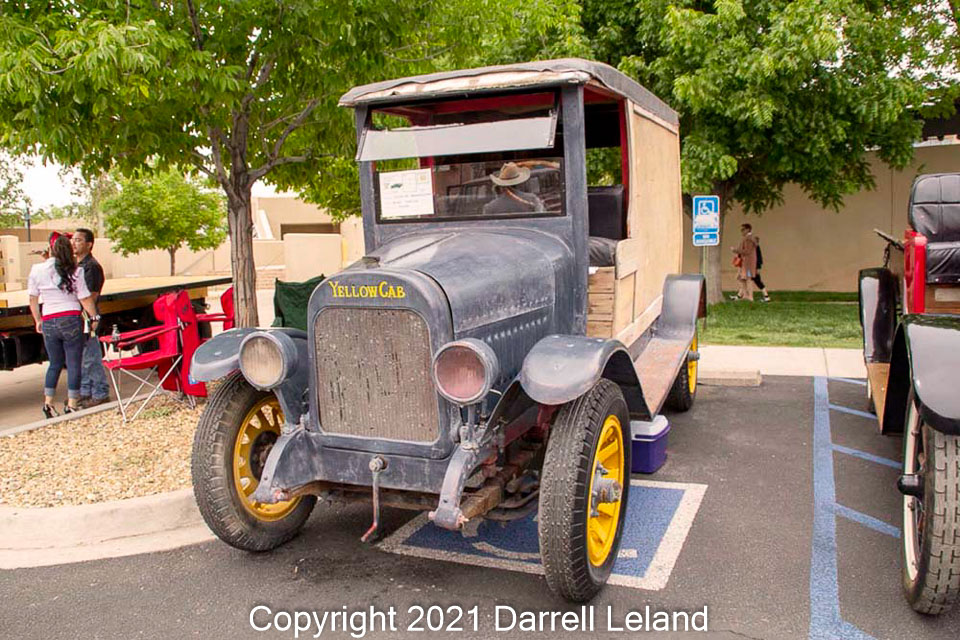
(405,194)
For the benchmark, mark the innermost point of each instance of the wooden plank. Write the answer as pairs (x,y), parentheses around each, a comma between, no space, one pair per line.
(641,323)
(599,328)
(628,256)
(600,305)
(602,281)
(877,374)
(623,303)
(942,298)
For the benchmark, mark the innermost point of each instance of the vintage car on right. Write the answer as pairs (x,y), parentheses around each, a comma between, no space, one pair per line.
(910,313)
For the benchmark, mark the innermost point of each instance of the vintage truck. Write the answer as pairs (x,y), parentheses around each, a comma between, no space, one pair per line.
(910,314)
(474,363)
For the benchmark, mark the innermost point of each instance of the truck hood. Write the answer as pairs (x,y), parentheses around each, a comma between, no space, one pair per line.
(486,275)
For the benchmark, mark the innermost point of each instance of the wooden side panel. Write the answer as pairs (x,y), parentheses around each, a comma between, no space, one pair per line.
(609,303)
(942,298)
(655,214)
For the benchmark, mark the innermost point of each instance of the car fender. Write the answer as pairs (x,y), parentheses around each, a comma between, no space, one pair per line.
(684,301)
(220,356)
(926,358)
(878,313)
(561,368)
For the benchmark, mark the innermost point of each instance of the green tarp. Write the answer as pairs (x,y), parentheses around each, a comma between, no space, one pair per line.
(290,302)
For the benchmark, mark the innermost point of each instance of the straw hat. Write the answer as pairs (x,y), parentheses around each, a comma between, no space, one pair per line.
(510,174)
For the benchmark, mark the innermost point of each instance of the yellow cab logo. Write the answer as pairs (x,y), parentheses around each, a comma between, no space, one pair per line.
(381,290)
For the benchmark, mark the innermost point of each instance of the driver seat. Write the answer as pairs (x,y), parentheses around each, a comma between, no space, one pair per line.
(934,212)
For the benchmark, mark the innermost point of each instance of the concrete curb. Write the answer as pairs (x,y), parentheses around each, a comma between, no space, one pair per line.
(39,537)
(730,378)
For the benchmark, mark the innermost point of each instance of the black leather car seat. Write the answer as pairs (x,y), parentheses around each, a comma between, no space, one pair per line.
(935,212)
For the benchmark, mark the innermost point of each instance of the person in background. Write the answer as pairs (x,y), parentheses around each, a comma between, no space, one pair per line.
(94,389)
(747,253)
(60,283)
(757,280)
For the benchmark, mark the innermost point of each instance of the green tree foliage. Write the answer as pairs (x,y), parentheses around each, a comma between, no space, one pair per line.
(772,92)
(13,201)
(164,211)
(242,90)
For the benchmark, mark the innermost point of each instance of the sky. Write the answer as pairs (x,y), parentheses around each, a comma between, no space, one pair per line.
(43,184)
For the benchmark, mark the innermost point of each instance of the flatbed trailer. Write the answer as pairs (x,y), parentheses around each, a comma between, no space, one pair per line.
(125,302)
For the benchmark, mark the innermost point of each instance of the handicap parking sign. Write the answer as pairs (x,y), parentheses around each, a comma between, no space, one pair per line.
(659,517)
(706,221)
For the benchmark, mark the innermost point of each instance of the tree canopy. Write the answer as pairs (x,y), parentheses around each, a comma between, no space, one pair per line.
(241,91)
(164,211)
(772,92)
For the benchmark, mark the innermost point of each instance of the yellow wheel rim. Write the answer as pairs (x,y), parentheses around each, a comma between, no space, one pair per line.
(692,368)
(602,528)
(258,431)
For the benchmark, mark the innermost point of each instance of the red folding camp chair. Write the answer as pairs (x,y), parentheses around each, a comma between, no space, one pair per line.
(226,317)
(177,337)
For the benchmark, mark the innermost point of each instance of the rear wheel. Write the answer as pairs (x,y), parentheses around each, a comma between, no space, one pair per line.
(684,389)
(236,432)
(931,523)
(584,491)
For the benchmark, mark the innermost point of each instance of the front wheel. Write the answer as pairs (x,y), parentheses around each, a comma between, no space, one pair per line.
(234,437)
(931,522)
(584,491)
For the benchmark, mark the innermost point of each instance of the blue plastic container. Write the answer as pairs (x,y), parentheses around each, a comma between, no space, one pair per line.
(649,445)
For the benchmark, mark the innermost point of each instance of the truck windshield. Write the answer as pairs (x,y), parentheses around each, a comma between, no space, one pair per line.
(494,157)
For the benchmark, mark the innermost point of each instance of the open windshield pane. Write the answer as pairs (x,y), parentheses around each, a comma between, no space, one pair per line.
(458,139)
(478,189)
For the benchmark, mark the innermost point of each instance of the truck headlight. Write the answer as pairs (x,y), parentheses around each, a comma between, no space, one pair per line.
(267,358)
(465,370)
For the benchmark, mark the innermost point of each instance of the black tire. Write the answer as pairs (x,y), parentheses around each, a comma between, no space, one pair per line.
(931,541)
(870,406)
(681,396)
(564,489)
(214,485)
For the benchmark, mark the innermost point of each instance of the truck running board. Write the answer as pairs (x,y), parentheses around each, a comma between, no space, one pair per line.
(657,367)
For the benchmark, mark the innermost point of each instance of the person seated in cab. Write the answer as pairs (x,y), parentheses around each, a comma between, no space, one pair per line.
(510,200)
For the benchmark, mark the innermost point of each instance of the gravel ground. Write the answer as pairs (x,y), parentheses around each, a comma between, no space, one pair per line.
(97,458)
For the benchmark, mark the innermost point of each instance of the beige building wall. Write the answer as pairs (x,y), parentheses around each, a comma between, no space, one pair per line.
(308,255)
(806,247)
(281,210)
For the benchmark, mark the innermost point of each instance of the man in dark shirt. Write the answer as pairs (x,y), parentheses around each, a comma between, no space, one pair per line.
(94,389)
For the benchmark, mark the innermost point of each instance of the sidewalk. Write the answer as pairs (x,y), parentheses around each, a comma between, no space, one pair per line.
(782,361)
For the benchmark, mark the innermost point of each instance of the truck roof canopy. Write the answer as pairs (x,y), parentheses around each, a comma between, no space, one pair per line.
(525,75)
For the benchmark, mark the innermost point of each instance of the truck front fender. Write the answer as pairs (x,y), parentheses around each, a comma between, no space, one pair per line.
(220,356)
(561,368)
(933,345)
(878,313)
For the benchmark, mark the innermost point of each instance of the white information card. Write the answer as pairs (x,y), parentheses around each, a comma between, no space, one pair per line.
(406,194)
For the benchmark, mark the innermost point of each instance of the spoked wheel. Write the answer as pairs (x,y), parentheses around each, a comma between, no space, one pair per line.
(931,520)
(584,492)
(236,432)
(684,389)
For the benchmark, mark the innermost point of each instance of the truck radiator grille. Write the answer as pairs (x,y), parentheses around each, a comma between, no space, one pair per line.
(373,374)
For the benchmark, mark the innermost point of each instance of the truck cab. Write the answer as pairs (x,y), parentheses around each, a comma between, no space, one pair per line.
(506,324)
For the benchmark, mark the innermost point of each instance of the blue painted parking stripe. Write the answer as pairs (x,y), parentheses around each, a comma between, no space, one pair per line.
(867,521)
(853,412)
(659,517)
(867,456)
(825,618)
(861,383)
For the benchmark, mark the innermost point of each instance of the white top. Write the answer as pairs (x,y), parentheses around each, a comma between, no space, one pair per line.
(43,282)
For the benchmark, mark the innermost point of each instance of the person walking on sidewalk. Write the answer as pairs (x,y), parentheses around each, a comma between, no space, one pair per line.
(745,257)
(61,285)
(94,389)
(757,280)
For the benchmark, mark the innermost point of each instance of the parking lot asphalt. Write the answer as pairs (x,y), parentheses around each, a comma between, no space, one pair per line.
(795,536)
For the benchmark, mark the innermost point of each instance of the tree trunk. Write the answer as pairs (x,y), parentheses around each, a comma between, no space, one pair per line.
(241,258)
(173,260)
(713,260)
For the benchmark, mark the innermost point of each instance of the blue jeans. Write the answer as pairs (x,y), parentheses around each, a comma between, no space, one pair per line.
(63,337)
(93,381)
